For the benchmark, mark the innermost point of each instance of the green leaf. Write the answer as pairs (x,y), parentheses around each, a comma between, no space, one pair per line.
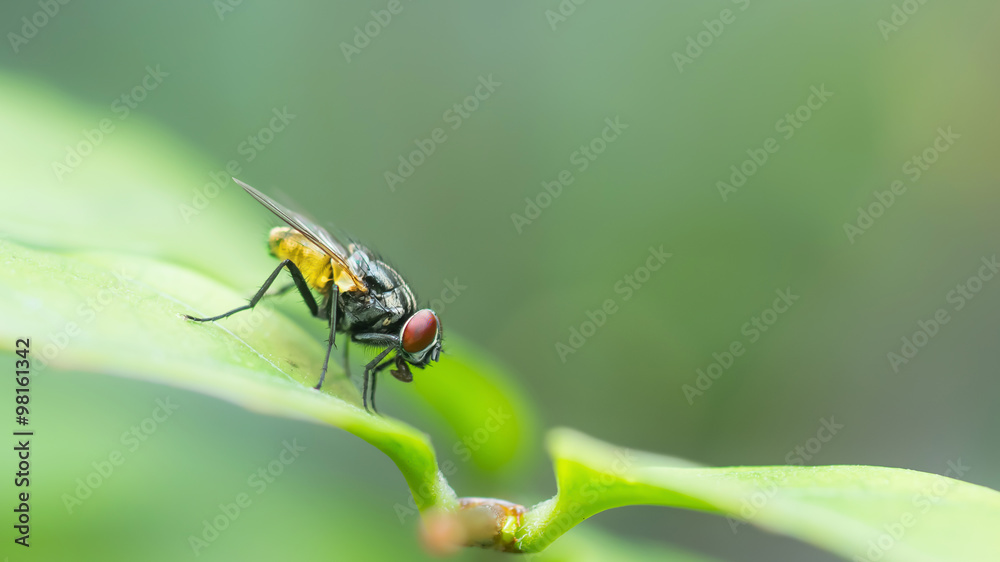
(859,512)
(142,193)
(587,544)
(493,423)
(115,314)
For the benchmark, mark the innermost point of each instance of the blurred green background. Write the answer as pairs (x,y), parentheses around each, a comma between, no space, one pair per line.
(217,75)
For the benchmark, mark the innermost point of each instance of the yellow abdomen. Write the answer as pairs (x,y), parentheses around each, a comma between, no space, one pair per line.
(319,269)
(288,243)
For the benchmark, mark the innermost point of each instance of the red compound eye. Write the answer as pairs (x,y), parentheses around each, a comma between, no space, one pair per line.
(420,331)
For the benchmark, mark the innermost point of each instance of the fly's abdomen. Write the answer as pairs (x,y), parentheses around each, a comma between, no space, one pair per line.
(289,244)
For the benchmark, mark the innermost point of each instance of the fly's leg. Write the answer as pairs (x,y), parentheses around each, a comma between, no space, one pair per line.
(347,362)
(281,291)
(332,342)
(376,339)
(368,370)
(375,372)
(389,342)
(300,282)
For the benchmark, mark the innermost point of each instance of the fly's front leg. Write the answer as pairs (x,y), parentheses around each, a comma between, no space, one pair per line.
(368,369)
(377,340)
(388,363)
(390,343)
(300,282)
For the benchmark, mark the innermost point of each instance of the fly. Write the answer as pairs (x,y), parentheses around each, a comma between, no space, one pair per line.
(360,296)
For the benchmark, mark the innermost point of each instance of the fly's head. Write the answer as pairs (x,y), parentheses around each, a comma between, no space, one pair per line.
(419,343)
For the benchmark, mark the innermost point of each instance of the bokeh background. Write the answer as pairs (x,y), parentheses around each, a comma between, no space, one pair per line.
(220,72)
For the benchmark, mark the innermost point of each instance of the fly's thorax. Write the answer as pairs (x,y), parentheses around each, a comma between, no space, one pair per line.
(374,311)
(382,280)
(388,302)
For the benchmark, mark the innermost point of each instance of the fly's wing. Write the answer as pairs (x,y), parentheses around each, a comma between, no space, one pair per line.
(342,273)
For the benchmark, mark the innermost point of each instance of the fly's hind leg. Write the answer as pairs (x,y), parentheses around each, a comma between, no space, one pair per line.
(280,291)
(300,283)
